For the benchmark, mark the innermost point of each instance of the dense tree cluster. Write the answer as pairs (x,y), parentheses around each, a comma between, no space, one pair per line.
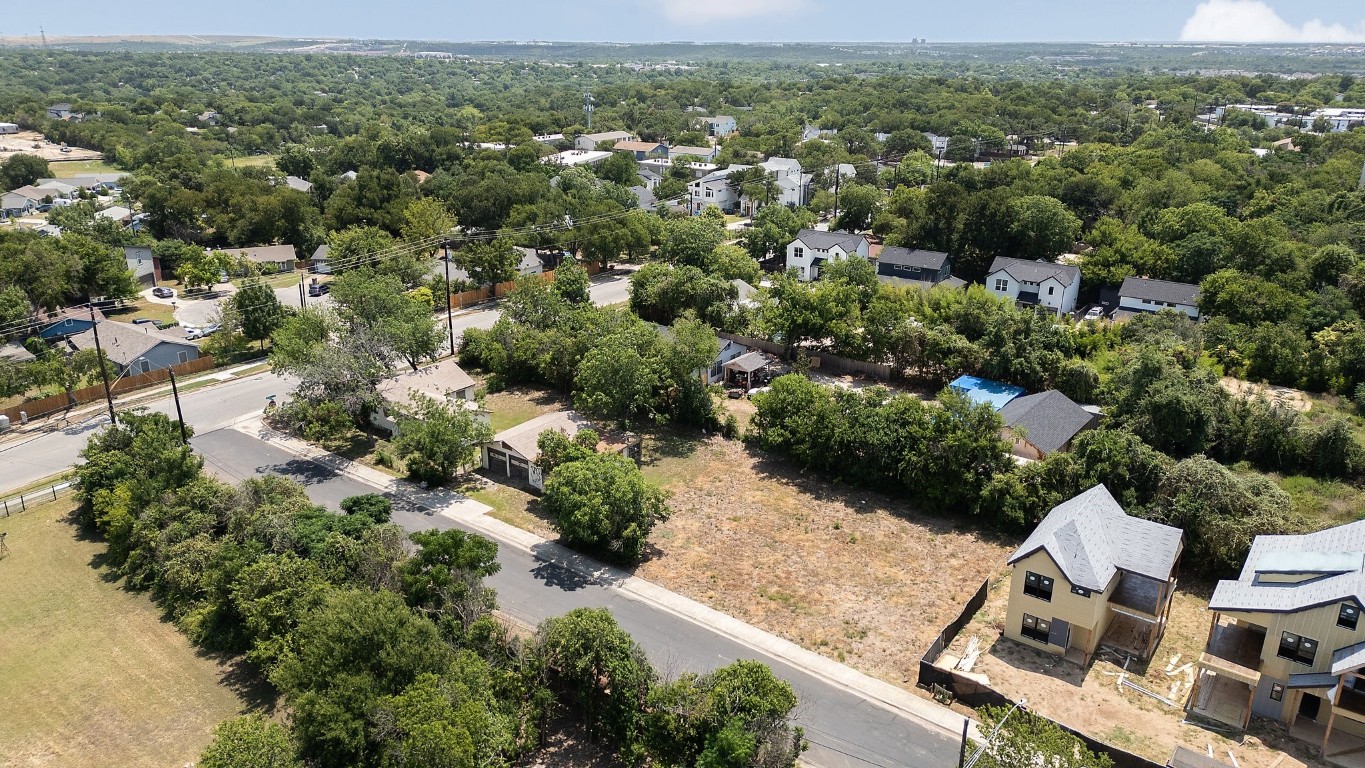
(388,656)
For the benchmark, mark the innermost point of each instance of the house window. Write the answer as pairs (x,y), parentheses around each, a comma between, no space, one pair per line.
(1348,616)
(1082,591)
(1001,284)
(1036,629)
(798,252)
(182,356)
(1297,648)
(709,193)
(1277,692)
(1050,289)
(1038,586)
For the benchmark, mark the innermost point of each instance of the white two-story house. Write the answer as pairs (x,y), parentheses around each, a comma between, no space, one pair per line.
(793,185)
(1140,294)
(812,248)
(1036,283)
(714,189)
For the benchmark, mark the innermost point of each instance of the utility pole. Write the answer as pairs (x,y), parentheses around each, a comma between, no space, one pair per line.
(175,393)
(837,176)
(450,317)
(303,295)
(104,373)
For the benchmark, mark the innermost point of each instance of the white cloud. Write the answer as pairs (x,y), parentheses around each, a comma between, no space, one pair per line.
(1252,21)
(698,12)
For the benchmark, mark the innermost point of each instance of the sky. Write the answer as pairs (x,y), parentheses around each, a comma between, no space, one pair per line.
(709,20)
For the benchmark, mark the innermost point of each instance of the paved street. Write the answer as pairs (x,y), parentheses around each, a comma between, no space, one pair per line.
(845,730)
(26,459)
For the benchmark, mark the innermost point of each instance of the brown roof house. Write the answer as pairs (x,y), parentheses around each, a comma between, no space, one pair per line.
(514,452)
(280,258)
(443,382)
(1091,575)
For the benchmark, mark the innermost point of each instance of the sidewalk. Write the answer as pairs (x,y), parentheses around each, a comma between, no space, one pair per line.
(471,514)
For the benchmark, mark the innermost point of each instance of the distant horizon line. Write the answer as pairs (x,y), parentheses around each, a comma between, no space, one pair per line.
(139,36)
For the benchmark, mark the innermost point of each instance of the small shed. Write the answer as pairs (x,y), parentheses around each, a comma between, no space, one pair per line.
(515,453)
(985,392)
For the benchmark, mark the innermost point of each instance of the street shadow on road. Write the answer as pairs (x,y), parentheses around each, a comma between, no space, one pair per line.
(304,471)
(571,571)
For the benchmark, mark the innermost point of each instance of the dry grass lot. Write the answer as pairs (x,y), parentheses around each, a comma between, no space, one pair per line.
(1089,700)
(89,673)
(857,576)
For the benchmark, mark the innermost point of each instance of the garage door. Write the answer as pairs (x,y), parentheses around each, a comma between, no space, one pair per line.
(497,462)
(520,469)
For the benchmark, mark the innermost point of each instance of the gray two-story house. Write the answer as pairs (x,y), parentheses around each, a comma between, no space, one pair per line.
(925,268)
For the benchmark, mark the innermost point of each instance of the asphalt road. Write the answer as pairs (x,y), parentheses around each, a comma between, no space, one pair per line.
(844,729)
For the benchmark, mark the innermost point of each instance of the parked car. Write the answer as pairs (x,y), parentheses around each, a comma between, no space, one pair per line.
(210,329)
(1095,313)
(319,289)
(194,333)
(162,292)
(144,321)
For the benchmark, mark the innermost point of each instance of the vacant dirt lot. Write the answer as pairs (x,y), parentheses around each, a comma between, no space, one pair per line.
(89,673)
(1089,700)
(24,141)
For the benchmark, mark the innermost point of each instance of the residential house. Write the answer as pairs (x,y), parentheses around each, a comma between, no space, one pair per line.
(714,189)
(550,139)
(1045,423)
(514,452)
(14,352)
(719,125)
(590,141)
(571,157)
(145,267)
(117,214)
(650,179)
(136,349)
(8,128)
(280,258)
(298,184)
(642,150)
(746,296)
(812,133)
(318,263)
(705,154)
(913,266)
(1091,575)
(937,144)
(813,247)
(67,323)
(21,201)
(1035,283)
(56,189)
(793,185)
(1141,294)
(985,391)
(443,382)
(209,117)
(1286,639)
(59,111)
(662,167)
(91,182)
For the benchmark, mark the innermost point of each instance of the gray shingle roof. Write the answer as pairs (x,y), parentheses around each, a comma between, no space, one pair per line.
(524,437)
(1091,538)
(815,238)
(1334,560)
(1159,290)
(124,343)
(913,257)
(1049,419)
(1035,271)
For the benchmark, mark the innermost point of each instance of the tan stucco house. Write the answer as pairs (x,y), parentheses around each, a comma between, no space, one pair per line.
(1092,575)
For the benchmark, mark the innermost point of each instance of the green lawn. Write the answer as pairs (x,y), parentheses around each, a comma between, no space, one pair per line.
(90,675)
(66,169)
(263,161)
(162,313)
(514,406)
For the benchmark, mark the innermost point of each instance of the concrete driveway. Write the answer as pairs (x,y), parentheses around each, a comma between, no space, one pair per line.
(196,310)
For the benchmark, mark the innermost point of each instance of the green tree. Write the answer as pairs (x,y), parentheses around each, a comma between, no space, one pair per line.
(1027,739)
(1042,227)
(259,309)
(730,262)
(690,241)
(602,503)
(601,669)
(250,741)
(438,438)
(444,580)
(858,204)
(203,268)
(23,169)
(424,221)
(490,262)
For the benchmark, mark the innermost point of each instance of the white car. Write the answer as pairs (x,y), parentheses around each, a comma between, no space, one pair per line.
(1095,313)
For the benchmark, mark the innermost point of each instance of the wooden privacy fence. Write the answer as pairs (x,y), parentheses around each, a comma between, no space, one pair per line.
(975,693)
(46,405)
(478,295)
(823,363)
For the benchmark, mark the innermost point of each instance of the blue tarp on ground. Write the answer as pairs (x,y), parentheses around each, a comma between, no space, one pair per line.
(985,391)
